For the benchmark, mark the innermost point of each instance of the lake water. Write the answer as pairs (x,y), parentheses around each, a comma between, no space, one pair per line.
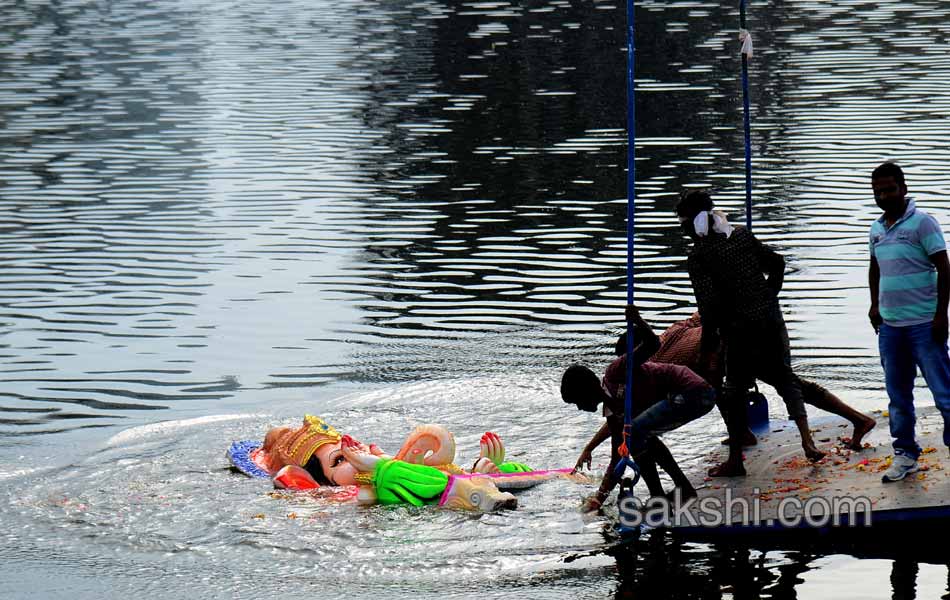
(219,215)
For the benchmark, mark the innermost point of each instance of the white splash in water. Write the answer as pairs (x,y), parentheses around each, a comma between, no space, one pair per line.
(163,428)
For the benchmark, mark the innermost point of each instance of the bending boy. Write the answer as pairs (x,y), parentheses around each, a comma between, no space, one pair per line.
(664,397)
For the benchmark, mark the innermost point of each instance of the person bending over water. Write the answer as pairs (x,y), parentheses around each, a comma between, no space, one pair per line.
(664,396)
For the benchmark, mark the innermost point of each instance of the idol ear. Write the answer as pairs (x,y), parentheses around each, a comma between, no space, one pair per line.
(294,478)
(436,443)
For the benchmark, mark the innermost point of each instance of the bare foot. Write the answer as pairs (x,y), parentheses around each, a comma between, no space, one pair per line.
(813,454)
(727,469)
(861,430)
(748,439)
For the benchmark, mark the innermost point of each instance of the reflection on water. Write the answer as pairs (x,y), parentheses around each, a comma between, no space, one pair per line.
(215,208)
(648,568)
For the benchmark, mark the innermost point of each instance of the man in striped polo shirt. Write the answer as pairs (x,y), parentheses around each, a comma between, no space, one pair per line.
(909,279)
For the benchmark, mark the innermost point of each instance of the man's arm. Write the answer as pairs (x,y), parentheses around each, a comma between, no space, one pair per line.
(649,343)
(602,434)
(939,328)
(874,285)
(775,271)
(708,307)
(610,481)
(773,265)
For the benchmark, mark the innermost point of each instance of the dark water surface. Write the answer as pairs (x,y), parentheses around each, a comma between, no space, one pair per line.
(215,216)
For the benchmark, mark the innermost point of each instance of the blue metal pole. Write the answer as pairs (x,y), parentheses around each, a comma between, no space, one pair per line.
(631,195)
(747,125)
(631,163)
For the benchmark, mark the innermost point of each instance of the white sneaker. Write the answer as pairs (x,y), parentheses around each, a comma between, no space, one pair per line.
(901,467)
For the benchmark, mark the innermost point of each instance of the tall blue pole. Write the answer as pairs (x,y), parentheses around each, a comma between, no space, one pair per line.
(747,124)
(631,163)
(627,461)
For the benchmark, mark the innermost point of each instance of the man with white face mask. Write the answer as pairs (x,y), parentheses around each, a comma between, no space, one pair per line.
(739,306)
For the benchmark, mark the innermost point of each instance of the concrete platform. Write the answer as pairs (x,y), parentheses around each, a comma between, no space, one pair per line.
(783,491)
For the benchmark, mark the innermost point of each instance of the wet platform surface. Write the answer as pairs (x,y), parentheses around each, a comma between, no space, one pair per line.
(783,490)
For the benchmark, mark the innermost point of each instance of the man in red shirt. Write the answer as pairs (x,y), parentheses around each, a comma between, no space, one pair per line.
(664,396)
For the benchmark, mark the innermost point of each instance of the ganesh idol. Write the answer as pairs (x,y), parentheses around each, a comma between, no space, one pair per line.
(423,472)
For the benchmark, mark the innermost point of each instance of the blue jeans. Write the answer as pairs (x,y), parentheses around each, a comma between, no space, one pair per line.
(903,349)
(668,414)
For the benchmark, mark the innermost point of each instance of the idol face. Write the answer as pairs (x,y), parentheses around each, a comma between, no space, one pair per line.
(335,465)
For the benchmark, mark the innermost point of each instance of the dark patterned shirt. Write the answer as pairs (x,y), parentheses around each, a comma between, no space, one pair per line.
(729,282)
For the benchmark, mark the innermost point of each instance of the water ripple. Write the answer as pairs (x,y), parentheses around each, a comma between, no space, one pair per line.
(209,207)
